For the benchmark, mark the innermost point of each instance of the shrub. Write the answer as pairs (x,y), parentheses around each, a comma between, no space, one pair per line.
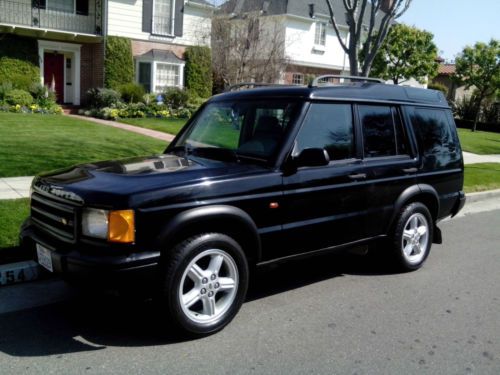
(4,88)
(176,98)
(119,63)
(131,92)
(198,71)
(18,97)
(100,98)
(439,87)
(19,61)
(465,108)
(42,95)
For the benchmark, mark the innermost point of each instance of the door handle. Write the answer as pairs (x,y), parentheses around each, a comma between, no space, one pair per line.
(410,170)
(357,176)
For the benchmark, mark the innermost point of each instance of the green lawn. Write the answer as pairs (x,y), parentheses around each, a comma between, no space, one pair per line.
(480,177)
(171,125)
(12,215)
(479,142)
(32,143)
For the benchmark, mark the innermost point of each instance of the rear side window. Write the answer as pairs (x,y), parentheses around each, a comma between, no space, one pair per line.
(328,126)
(433,130)
(383,133)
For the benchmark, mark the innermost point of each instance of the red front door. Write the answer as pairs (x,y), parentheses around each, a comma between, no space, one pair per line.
(53,73)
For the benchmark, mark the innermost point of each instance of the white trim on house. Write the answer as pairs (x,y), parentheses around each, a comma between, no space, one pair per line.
(154,64)
(75,49)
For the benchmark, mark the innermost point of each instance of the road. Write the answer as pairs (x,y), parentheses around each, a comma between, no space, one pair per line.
(329,315)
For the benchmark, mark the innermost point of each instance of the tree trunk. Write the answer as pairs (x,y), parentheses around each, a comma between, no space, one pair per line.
(478,112)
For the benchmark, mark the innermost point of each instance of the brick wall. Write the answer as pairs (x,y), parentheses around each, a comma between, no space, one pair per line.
(140,47)
(305,70)
(92,68)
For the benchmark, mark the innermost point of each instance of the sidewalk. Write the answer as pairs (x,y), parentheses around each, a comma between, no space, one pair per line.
(470,158)
(15,187)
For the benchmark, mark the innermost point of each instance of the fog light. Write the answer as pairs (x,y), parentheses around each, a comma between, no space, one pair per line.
(121,226)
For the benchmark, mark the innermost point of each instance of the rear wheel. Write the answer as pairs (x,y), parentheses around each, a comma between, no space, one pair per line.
(412,238)
(206,280)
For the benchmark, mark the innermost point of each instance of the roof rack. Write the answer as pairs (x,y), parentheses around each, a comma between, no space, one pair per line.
(317,80)
(251,85)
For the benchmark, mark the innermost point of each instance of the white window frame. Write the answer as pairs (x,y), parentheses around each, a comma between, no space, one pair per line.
(320,32)
(172,20)
(154,64)
(297,75)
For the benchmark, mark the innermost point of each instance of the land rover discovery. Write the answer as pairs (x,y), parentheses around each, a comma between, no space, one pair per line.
(256,176)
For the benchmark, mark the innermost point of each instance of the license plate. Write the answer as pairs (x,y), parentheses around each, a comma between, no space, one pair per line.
(44,257)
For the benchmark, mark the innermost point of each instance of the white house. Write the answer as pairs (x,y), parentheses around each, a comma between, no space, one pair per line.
(160,31)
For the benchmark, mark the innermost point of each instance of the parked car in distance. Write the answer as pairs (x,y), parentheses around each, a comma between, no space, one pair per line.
(256,176)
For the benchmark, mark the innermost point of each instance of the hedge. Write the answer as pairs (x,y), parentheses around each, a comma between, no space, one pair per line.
(118,62)
(19,61)
(487,127)
(198,71)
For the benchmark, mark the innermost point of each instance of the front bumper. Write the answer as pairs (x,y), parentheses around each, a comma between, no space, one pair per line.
(87,265)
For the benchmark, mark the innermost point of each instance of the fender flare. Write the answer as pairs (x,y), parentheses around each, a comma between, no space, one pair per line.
(409,193)
(237,217)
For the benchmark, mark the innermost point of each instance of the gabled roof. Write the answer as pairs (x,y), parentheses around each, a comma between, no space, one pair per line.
(298,8)
(161,55)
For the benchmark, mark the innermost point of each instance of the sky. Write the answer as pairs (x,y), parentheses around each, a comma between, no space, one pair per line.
(455,23)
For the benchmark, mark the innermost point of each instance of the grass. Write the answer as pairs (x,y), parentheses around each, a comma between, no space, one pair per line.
(481,177)
(12,215)
(170,126)
(33,143)
(479,142)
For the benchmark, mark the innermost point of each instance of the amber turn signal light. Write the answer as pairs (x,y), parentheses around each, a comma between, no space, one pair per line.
(121,226)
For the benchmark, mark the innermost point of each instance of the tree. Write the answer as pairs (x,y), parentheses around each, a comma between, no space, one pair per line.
(407,52)
(479,67)
(247,48)
(369,21)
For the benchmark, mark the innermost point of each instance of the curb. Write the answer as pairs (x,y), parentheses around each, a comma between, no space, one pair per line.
(29,270)
(481,196)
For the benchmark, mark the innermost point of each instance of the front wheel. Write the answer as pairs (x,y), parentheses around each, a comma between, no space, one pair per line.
(412,237)
(206,280)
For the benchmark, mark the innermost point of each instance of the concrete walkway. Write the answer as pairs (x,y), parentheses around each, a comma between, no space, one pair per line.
(15,187)
(470,158)
(136,129)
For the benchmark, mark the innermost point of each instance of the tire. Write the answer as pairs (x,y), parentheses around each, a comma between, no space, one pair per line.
(412,237)
(205,283)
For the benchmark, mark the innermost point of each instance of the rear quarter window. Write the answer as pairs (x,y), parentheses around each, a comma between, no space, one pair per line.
(433,131)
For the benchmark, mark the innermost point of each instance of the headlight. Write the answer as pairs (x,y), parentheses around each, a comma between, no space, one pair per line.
(115,226)
(95,223)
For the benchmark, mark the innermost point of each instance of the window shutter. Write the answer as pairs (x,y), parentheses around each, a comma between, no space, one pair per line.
(147,15)
(82,7)
(178,17)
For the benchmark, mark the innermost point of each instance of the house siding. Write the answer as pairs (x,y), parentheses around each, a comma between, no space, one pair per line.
(300,48)
(125,20)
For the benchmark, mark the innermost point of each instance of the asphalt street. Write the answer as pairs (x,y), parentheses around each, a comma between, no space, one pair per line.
(328,315)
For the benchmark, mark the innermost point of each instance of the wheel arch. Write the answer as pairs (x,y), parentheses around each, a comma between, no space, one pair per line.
(423,193)
(225,219)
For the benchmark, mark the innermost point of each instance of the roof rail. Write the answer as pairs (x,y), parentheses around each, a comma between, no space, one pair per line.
(316,81)
(251,85)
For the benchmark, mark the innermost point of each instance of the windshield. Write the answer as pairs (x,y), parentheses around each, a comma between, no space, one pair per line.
(253,129)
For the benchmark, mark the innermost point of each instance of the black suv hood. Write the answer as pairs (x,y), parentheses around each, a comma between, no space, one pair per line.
(135,181)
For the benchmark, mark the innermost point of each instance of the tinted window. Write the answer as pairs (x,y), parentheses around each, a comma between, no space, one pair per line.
(383,133)
(328,126)
(433,130)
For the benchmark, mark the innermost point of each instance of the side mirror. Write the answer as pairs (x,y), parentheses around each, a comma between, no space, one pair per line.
(312,157)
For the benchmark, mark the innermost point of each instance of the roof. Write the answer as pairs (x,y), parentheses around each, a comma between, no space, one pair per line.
(354,92)
(446,69)
(162,55)
(298,8)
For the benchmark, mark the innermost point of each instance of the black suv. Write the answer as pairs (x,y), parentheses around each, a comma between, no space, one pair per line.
(256,176)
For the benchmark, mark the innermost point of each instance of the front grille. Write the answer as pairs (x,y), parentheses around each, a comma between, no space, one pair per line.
(54,217)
